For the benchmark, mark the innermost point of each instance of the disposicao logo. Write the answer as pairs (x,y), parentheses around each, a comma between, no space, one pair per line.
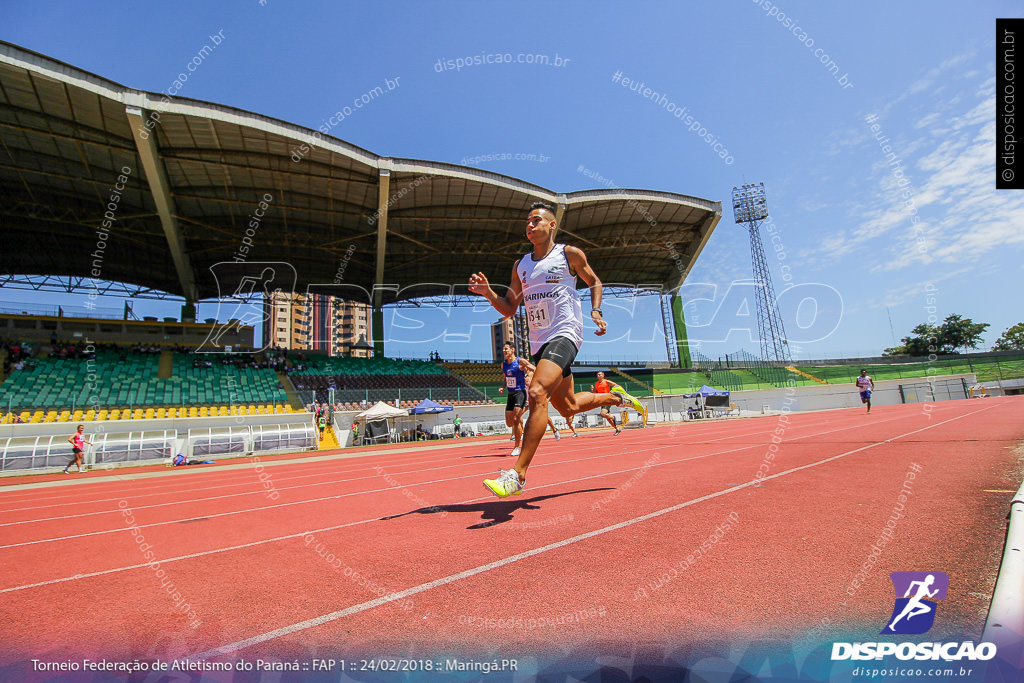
(914,612)
(917,596)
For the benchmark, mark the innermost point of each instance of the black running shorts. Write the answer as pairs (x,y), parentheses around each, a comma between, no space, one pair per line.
(560,351)
(516,399)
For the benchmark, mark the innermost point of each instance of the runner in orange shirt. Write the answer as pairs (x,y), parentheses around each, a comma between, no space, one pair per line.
(604,386)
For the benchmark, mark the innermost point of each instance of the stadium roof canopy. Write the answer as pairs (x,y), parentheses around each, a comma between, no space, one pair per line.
(193,175)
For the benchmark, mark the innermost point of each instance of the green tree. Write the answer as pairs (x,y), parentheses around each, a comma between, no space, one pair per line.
(958,332)
(926,338)
(917,343)
(1011,340)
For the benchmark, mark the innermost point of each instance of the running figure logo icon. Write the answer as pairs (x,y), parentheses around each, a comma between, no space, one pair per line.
(914,612)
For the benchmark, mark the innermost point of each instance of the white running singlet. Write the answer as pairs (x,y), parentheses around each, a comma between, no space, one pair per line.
(552,303)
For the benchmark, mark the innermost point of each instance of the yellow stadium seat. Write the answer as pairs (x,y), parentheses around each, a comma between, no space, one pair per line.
(102,415)
(25,415)
(193,412)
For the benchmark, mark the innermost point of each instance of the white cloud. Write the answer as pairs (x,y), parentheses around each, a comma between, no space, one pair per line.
(913,291)
(932,197)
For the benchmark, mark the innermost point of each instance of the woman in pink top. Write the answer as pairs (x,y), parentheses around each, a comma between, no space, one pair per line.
(77,440)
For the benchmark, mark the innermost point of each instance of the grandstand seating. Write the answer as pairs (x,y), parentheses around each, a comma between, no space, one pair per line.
(382,379)
(484,377)
(158,414)
(108,385)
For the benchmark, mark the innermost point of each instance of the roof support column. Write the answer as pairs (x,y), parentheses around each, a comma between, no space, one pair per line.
(383,197)
(160,188)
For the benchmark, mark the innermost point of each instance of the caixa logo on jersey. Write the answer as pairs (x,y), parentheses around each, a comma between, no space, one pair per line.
(917,601)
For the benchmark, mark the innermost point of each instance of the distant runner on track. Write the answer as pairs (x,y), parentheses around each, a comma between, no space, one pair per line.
(866,386)
(77,441)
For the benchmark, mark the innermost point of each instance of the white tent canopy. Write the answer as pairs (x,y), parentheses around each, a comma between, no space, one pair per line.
(381,411)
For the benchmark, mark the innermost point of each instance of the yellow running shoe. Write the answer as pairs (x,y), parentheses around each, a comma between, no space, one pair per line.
(635,402)
(507,484)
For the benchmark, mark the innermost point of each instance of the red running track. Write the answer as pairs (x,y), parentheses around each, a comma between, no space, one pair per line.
(658,536)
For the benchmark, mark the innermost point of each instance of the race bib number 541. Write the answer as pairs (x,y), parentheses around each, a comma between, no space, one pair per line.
(539,315)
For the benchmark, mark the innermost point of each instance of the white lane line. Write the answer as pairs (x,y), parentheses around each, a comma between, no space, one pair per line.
(405,460)
(365,521)
(13,489)
(403,463)
(694,438)
(255,489)
(120,529)
(399,595)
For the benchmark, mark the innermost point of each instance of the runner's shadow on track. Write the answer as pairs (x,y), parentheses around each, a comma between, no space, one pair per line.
(492,512)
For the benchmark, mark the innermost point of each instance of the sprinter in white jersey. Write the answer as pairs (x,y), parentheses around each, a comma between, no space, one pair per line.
(545,281)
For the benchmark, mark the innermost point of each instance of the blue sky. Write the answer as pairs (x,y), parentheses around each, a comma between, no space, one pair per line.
(746,70)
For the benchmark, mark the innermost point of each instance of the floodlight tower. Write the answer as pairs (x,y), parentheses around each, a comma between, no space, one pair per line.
(750,207)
